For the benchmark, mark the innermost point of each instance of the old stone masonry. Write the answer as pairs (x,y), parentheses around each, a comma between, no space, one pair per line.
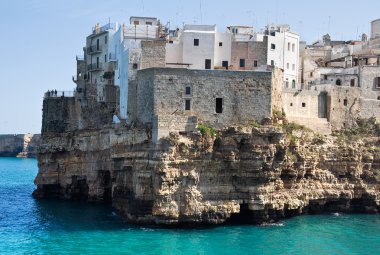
(195,126)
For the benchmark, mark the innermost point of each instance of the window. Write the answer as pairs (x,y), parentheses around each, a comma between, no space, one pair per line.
(220,44)
(287,65)
(293,47)
(188,91)
(286,84)
(254,63)
(225,64)
(242,62)
(97,62)
(196,42)
(219,105)
(273,46)
(207,63)
(171,42)
(293,84)
(325,77)
(97,44)
(105,39)
(136,22)
(187,105)
(105,58)
(149,23)
(135,66)
(345,102)
(352,83)
(377,82)
(288,46)
(303,104)
(291,104)
(272,62)
(293,67)
(311,74)
(338,82)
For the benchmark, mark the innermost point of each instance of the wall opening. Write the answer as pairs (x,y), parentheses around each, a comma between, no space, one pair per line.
(196,42)
(352,82)
(225,64)
(220,44)
(377,82)
(338,82)
(188,91)
(345,102)
(303,104)
(254,63)
(187,105)
(207,63)
(219,105)
(242,62)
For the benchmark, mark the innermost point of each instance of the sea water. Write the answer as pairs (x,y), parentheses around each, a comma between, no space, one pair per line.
(30,226)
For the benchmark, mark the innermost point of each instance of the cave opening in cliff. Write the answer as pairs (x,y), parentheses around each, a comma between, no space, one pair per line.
(243,217)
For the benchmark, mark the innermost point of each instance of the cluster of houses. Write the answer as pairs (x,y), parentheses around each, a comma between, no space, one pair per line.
(172,79)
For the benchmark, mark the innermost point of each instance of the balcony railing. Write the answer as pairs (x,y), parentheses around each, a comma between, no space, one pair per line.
(94,49)
(95,67)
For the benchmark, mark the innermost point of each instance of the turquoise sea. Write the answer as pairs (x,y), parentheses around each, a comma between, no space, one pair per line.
(29,226)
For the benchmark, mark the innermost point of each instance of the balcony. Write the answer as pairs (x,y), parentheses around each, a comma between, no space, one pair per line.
(94,49)
(94,67)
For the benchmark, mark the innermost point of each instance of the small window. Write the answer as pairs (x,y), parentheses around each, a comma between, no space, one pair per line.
(345,102)
(135,66)
(105,58)
(377,82)
(254,63)
(338,82)
(325,77)
(288,46)
(291,104)
(293,47)
(220,44)
(293,84)
(149,23)
(303,104)
(286,84)
(196,42)
(219,105)
(136,22)
(293,67)
(273,46)
(352,83)
(225,64)
(311,74)
(242,62)
(272,62)
(207,63)
(287,65)
(105,39)
(187,104)
(171,42)
(188,91)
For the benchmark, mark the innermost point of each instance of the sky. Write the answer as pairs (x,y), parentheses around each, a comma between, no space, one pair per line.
(40,38)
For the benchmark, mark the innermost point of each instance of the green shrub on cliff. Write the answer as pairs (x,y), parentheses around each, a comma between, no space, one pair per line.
(206,130)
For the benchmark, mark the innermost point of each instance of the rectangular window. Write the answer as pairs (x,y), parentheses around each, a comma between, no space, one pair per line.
(97,44)
(220,44)
(287,65)
(352,82)
(303,104)
(293,67)
(293,47)
(149,23)
(187,104)
(311,74)
(273,46)
(225,64)
(207,63)
(105,39)
(286,84)
(196,42)
(242,62)
(345,102)
(254,63)
(325,77)
(105,58)
(134,66)
(377,82)
(97,62)
(272,62)
(288,46)
(219,105)
(136,22)
(188,91)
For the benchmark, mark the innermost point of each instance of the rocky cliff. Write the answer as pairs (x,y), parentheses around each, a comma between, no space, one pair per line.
(243,174)
(19,145)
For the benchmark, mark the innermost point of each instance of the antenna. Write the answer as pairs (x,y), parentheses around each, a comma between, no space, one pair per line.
(200,10)
(142,5)
(328,25)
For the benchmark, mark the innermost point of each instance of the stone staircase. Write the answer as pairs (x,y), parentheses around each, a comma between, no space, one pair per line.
(318,125)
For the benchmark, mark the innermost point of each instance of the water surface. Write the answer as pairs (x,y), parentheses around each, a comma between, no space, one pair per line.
(29,226)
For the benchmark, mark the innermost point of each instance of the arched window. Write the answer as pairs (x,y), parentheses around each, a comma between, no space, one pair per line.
(338,82)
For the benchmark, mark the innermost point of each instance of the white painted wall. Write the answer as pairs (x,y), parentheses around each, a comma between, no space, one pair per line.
(222,53)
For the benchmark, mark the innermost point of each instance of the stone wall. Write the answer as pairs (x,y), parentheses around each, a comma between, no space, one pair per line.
(152,54)
(246,96)
(250,51)
(19,145)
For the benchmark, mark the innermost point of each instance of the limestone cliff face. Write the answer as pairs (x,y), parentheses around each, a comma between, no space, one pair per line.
(245,174)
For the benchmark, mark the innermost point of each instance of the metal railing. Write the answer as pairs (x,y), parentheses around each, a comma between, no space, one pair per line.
(59,94)
(94,49)
(95,67)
